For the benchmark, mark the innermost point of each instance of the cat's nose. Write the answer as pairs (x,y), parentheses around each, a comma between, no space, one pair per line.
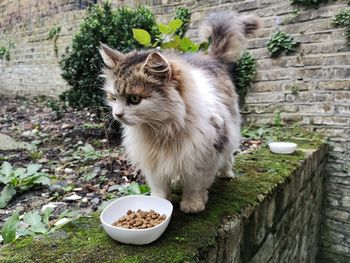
(119,115)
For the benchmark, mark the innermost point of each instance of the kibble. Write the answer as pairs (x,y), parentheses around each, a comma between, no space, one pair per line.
(139,219)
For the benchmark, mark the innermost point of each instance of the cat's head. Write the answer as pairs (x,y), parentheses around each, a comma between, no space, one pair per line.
(142,88)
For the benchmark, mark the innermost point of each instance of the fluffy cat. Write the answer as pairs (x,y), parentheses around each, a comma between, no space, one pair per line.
(179,112)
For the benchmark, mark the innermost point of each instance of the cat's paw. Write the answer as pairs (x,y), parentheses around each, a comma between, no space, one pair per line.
(192,206)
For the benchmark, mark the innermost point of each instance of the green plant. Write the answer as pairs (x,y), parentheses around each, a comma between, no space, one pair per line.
(277,120)
(342,19)
(281,42)
(54,105)
(34,223)
(308,3)
(8,231)
(36,155)
(88,152)
(254,134)
(168,39)
(245,74)
(5,51)
(20,179)
(82,65)
(53,35)
(134,189)
(184,15)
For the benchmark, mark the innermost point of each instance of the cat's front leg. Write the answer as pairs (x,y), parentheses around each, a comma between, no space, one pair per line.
(194,202)
(194,192)
(160,187)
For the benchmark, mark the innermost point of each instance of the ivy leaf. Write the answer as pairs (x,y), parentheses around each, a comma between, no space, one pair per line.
(187,45)
(170,44)
(6,195)
(135,188)
(164,29)
(8,231)
(6,169)
(174,25)
(144,189)
(174,43)
(142,36)
(32,169)
(34,220)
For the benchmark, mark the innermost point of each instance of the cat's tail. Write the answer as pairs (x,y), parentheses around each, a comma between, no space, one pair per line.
(226,32)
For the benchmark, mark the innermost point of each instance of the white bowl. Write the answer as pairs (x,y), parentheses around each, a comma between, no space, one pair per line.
(119,207)
(282,147)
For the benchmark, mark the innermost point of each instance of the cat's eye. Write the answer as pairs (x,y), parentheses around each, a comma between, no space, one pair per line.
(133,99)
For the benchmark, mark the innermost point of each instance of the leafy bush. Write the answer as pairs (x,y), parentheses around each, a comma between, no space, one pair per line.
(245,74)
(81,66)
(184,15)
(342,19)
(20,179)
(281,42)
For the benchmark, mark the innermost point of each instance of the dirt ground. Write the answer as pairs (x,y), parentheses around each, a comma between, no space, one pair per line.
(79,149)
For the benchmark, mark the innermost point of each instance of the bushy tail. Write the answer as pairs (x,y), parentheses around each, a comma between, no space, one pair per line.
(227,32)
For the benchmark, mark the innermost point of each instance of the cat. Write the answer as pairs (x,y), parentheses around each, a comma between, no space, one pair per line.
(179,112)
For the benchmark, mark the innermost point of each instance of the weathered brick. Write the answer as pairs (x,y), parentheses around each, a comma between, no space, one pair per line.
(265,97)
(342,96)
(334,84)
(331,120)
(317,108)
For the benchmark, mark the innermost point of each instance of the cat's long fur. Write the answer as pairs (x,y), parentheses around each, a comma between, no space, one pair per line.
(187,124)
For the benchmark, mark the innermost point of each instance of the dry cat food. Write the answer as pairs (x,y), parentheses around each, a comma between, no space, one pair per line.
(140,219)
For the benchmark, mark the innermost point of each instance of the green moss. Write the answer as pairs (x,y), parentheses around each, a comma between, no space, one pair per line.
(186,238)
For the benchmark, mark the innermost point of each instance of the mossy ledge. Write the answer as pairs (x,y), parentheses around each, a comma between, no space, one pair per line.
(189,238)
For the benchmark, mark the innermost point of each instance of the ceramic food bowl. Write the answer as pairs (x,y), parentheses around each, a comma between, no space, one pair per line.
(119,208)
(282,147)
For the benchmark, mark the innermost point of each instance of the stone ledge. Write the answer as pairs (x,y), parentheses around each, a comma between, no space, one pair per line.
(247,219)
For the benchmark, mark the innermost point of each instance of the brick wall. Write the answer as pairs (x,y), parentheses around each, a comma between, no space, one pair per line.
(33,67)
(310,87)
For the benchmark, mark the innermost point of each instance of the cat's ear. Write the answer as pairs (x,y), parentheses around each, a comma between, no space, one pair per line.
(251,23)
(157,66)
(111,57)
